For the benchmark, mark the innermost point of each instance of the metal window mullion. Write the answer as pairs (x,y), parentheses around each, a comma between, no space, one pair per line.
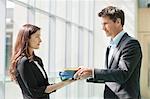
(80,48)
(78,94)
(90,38)
(52,44)
(68,45)
(49,14)
(31,12)
(68,35)
(68,41)
(3,47)
(91,47)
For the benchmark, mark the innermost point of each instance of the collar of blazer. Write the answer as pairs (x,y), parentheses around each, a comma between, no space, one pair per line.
(119,47)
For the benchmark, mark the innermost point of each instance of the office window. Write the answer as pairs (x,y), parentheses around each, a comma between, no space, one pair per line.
(61,8)
(71,36)
(43,4)
(42,21)
(9,32)
(144,3)
(25,1)
(64,33)
(74,46)
(75,11)
(13,24)
(3,47)
(60,44)
(16,16)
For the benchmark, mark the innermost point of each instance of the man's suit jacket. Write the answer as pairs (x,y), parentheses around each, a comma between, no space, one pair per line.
(122,75)
(31,79)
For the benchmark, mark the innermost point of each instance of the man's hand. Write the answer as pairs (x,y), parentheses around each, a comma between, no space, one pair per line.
(83,73)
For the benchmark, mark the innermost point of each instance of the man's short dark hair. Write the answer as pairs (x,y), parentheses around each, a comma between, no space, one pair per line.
(113,13)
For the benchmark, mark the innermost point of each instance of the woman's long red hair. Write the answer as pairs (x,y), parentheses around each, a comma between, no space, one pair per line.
(21,47)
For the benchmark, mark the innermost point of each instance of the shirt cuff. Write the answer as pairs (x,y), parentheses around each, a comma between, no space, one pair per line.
(92,72)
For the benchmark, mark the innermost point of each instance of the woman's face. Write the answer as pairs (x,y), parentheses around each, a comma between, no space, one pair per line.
(34,41)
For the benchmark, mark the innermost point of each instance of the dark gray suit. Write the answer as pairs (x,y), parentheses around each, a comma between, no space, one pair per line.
(122,75)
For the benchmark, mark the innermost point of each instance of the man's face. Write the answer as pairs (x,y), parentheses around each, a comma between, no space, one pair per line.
(110,27)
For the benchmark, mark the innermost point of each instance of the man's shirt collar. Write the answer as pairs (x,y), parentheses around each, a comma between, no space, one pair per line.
(114,42)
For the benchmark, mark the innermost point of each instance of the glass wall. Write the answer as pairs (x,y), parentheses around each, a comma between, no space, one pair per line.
(67,39)
(71,36)
(3,47)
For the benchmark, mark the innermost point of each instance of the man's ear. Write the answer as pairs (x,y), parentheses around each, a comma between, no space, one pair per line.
(118,21)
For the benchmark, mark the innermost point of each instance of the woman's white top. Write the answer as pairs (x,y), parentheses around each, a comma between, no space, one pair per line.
(40,68)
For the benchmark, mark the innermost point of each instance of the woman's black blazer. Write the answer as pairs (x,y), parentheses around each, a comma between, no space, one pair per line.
(31,79)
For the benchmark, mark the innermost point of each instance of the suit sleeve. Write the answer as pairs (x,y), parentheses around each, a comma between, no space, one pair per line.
(29,80)
(130,59)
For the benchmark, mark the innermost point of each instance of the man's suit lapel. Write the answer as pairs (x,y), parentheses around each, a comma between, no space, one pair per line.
(116,50)
(106,60)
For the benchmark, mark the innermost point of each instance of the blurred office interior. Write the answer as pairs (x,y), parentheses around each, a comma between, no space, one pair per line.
(71,36)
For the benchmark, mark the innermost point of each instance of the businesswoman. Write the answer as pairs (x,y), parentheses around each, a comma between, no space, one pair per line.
(27,69)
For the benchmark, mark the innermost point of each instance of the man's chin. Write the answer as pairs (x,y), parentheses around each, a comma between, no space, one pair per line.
(107,35)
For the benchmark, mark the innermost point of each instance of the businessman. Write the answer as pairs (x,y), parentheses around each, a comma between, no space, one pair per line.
(123,59)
